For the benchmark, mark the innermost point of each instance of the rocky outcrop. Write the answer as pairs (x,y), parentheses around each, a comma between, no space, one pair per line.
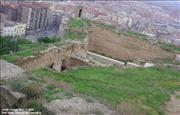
(173,105)
(9,70)
(13,98)
(148,65)
(177,57)
(76,106)
(131,65)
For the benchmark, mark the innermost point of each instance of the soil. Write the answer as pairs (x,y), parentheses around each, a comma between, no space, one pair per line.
(123,47)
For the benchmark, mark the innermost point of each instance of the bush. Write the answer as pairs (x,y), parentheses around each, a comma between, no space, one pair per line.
(16,85)
(4,102)
(35,104)
(32,90)
(48,40)
(23,41)
(126,108)
(7,44)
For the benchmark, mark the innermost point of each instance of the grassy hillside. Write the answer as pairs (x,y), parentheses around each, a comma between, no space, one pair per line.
(171,48)
(146,89)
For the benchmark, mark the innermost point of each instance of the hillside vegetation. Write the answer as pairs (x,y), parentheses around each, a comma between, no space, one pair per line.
(146,89)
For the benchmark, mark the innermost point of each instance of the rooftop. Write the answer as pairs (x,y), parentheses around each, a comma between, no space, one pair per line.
(9,23)
(35,5)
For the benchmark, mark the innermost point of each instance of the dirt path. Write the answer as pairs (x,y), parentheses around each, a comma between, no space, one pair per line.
(173,106)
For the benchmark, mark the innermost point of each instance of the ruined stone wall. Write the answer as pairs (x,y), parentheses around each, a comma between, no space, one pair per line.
(122,47)
(74,62)
(52,55)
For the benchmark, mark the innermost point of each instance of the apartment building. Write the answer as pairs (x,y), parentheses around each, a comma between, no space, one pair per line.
(13,11)
(1,28)
(13,29)
(34,15)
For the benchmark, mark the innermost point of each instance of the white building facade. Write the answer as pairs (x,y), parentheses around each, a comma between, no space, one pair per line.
(14,29)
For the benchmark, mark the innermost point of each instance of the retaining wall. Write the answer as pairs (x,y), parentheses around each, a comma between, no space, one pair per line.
(50,56)
(105,60)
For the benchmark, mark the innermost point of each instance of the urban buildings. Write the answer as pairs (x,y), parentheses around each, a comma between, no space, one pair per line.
(13,29)
(1,28)
(13,11)
(34,15)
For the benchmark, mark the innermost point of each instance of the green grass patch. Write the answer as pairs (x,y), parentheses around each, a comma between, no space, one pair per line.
(9,57)
(149,87)
(171,47)
(178,96)
(137,35)
(25,50)
(74,36)
(76,23)
(20,54)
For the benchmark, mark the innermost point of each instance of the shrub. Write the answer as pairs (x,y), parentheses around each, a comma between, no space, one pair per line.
(32,90)
(16,85)
(23,41)
(48,40)
(35,104)
(7,44)
(4,102)
(126,108)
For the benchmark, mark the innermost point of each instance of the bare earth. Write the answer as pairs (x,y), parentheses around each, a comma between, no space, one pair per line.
(123,47)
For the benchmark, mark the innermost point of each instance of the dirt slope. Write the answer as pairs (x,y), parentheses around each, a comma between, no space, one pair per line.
(123,47)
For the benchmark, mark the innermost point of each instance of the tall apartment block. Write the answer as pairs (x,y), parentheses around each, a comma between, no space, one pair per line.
(13,11)
(34,15)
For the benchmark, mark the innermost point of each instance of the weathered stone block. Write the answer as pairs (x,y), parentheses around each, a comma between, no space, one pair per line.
(177,58)
(11,96)
(129,64)
(9,70)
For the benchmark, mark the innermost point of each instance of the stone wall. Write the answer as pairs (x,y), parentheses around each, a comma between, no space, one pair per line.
(50,56)
(74,62)
(122,47)
(12,97)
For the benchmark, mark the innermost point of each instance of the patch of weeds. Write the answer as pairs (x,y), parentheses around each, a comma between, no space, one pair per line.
(178,96)
(126,108)
(170,47)
(74,36)
(32,90)
(35,104)
(16,85)
(4,102)
(49,92)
